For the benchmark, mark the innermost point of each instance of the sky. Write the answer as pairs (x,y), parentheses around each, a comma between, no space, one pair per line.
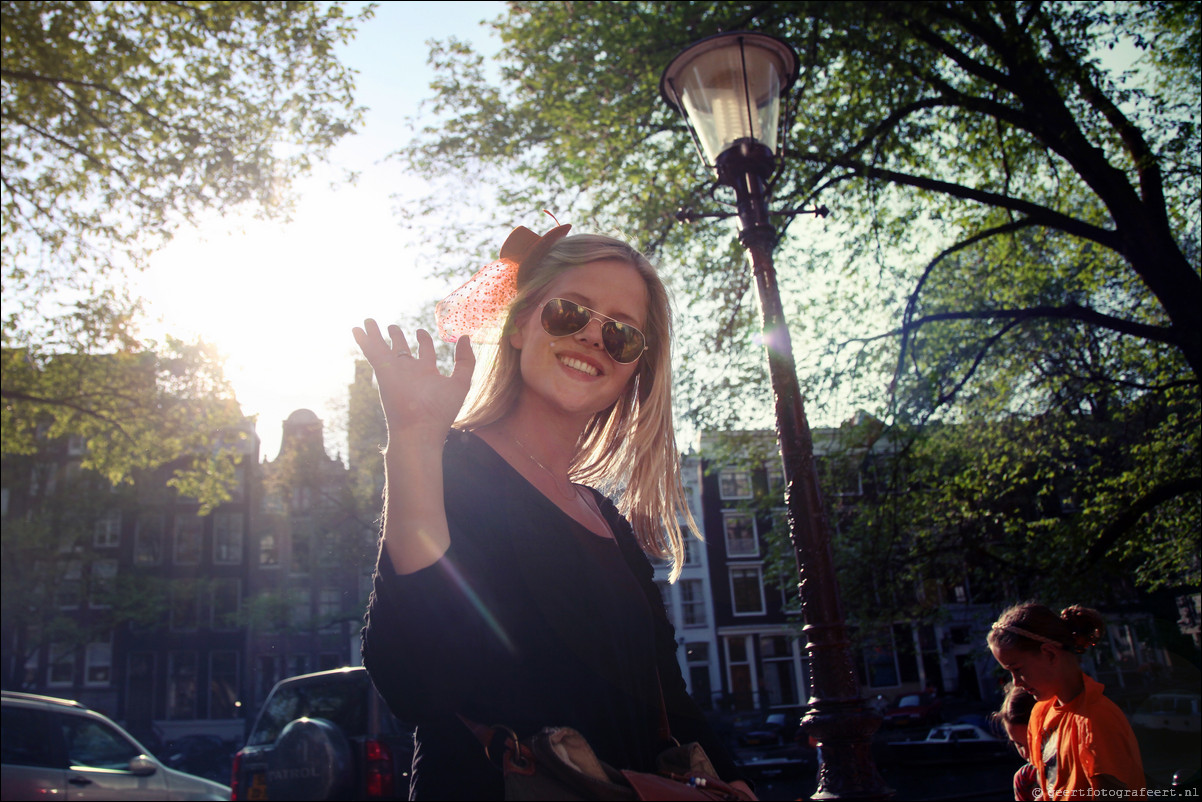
(279,300)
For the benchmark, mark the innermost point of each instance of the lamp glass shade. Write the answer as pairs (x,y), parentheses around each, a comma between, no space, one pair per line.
(707,83)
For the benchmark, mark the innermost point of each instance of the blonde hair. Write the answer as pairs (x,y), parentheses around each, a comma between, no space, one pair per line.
(628,449)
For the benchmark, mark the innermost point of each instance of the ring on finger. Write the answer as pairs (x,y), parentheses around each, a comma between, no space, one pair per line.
(399,354)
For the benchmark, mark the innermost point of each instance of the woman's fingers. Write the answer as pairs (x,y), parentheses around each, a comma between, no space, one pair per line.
(465,361)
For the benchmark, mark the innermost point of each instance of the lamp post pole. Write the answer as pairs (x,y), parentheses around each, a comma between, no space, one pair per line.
(837,718)
(732,84)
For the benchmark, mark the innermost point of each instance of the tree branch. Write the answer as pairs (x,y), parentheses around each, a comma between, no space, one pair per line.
(1040,215)
(1136,510)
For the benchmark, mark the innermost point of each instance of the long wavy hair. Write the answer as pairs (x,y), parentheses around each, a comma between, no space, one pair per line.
(627,450)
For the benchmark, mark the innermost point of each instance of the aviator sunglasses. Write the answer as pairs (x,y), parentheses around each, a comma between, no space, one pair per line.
(623,342)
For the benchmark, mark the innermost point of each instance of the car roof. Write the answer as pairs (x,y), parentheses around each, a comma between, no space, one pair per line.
(19,696)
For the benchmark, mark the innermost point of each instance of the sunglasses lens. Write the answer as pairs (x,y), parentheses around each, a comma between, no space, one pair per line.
(561,318)
(624,343)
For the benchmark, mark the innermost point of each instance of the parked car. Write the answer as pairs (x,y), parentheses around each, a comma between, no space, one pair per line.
(327,735)
(59,748)
(208,756)
(1171,711)
(952,743)
(775,729)
(915,709)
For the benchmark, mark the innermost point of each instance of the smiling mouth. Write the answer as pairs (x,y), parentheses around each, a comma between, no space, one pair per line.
(580,365)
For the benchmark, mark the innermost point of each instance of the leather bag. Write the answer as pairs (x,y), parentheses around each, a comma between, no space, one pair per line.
(558,764)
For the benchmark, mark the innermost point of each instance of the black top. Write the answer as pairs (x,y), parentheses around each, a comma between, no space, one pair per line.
(529,620)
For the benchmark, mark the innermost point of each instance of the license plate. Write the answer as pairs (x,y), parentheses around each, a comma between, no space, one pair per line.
(258,786)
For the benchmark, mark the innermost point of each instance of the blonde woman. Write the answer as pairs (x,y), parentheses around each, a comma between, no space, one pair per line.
(509,589)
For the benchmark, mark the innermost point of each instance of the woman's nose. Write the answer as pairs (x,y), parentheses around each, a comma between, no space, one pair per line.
(592,334)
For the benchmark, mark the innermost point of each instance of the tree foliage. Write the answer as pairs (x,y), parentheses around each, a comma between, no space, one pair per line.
(121,122)
(1013,255)
(124,120)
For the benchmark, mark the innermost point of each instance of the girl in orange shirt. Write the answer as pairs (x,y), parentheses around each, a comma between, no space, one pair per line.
(1080,742)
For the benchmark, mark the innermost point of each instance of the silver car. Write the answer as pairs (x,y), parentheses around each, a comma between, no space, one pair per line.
(58,748)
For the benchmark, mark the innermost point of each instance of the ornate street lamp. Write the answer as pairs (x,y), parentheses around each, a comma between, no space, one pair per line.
(729,87)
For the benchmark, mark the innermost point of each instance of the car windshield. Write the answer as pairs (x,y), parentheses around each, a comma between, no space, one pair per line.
(909,701)
(342,702)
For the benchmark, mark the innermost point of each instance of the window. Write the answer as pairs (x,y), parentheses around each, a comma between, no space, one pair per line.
(185,605)
(780,676)
(94,744)
(747,590)
(269,551)
(107,533)
(140,685)
(880,664)
(98,664)
(103,581)
(302,540)
(61,669)
(329,608)
(298,664)
(665,593)
(26,740)
(181,685)
(734,483)
(76,445)
(227,538)
(225,598)
(148,539)
(69,591)
(776,481)
(267,674)
(187,539)
(302,611)
(223,685)
(692,548)
(692,603)
(741,540)
(738,666)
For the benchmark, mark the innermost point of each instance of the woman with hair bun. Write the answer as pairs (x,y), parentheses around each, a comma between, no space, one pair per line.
(1080,742)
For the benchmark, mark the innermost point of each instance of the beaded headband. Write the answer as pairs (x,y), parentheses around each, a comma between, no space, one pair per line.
(1024,633)
(478,308)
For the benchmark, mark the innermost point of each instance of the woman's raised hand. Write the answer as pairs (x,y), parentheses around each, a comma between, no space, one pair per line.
(418,401)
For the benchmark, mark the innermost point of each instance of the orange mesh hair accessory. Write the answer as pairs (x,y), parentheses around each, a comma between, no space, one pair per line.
(479,307)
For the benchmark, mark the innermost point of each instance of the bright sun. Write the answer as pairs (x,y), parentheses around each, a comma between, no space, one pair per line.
(279,300)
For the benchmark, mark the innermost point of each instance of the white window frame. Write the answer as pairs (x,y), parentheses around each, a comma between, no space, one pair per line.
(692,605)
(730,515)
(737,477)
(107,532)
(742,568)
(98,655)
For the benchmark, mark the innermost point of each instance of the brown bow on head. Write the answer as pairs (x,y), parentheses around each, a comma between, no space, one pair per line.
(525,248)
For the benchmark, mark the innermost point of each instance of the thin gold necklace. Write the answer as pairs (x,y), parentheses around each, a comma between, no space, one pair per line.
(575,494)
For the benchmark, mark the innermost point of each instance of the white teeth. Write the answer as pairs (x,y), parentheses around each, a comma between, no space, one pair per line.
(579,365)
